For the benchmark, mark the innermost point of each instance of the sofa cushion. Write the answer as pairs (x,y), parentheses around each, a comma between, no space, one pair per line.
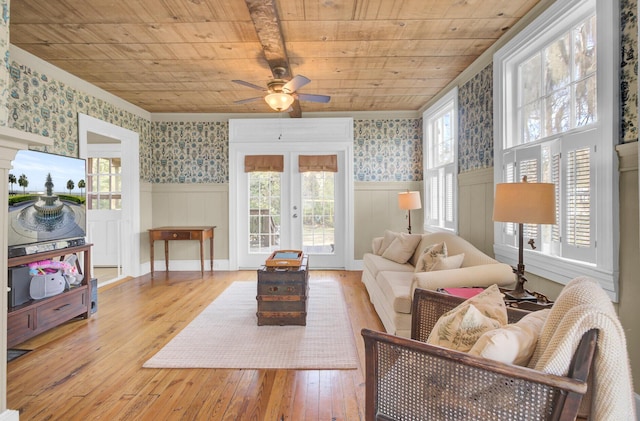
(402,247)
(430,256)
(388,238)
(375,264)
(449,262)
(462,326)
(396,287)
(376,244)
(513,343)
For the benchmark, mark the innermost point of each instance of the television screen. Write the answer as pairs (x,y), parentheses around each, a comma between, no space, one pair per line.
(47,195)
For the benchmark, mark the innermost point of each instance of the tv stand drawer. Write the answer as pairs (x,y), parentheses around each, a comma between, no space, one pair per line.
(20,326)
(65,307)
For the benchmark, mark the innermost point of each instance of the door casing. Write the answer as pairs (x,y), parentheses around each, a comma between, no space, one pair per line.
(129,139)
(267,136)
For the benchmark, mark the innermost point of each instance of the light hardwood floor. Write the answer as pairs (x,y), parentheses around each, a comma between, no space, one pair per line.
(92,369)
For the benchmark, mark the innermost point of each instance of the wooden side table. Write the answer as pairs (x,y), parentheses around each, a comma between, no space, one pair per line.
(181,233)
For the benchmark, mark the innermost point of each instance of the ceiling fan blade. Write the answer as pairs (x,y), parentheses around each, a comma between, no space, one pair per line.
(296,83)
(249,84)
(314,98)
(244,101)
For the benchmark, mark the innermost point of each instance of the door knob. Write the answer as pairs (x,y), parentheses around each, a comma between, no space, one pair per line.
(295,215)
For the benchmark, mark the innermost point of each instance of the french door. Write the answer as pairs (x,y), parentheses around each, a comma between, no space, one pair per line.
(292,206)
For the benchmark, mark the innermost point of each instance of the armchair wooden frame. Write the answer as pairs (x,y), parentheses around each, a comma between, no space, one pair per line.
(409,379)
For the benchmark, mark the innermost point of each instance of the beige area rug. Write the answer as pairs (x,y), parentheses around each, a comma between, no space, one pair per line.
(226,335)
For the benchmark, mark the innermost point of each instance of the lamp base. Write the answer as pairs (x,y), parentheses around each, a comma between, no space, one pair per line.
(519,295)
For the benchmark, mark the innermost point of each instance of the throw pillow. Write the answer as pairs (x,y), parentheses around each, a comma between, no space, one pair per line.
(388,238)
(402,247)
(430,255)
(514,343)
(449,262)
(376,243)
(461,327)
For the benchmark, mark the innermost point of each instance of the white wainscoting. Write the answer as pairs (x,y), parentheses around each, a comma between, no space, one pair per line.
(194,205)
(475,208)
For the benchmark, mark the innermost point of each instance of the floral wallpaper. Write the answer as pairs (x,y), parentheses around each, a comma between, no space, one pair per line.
(197,152)
(388,150)
(190,152)
(37,104)
(629,70)
(4,69)
(475,122)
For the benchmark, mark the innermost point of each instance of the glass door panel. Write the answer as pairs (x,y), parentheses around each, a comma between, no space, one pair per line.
(264,211)
(318,212)
(291,210)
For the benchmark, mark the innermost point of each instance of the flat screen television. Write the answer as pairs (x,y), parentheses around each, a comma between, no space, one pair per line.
(47,202)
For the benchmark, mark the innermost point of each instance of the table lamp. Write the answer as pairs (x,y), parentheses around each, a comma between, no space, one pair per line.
(524,203)
(407,201)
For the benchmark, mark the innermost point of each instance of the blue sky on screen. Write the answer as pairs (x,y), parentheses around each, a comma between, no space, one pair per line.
(36,166)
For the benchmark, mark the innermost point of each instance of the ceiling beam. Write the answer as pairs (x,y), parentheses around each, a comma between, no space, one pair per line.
(267,23)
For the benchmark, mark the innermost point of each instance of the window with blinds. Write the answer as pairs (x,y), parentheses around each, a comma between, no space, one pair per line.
(571,170)
(556,122)
(440,163)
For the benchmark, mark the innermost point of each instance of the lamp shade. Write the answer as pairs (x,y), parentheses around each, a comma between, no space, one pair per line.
(409,200)
(525,203)
(279,101)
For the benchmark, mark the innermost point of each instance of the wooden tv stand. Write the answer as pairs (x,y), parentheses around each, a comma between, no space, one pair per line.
(37,316)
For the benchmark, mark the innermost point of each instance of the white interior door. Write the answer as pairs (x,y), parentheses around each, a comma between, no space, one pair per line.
(104,200)
(293,210)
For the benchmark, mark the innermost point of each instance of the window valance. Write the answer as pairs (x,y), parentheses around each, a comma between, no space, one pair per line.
(328,163)
(274,163)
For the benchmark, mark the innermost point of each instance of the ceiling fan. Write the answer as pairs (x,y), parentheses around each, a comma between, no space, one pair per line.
(281,93)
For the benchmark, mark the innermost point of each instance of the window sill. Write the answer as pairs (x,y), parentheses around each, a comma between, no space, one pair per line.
(437,228)
(558,269)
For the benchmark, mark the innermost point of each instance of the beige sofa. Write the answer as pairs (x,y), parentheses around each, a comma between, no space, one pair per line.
(391,284)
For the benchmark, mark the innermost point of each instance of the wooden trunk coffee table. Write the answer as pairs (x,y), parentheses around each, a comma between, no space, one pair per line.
(282,295)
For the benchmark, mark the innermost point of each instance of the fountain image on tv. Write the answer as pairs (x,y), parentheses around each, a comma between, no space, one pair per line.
(47,202)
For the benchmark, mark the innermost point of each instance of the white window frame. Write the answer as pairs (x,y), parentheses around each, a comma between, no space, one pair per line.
(559,18)
(439,221)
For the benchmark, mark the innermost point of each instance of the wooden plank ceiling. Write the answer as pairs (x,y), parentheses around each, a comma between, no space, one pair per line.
(180,56)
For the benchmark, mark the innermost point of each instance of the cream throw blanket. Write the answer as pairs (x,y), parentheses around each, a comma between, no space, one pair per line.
(583,305)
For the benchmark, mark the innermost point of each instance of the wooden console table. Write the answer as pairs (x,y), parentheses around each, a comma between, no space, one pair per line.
(181,233)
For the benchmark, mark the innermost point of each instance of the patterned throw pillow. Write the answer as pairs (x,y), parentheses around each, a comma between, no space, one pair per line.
(461,327)
(430,256)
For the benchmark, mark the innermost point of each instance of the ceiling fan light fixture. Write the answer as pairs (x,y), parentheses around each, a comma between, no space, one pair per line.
(279,101)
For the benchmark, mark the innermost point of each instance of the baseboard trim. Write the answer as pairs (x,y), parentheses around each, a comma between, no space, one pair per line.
(186,265)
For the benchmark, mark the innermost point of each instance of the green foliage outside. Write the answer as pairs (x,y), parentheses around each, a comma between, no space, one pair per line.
(21,198)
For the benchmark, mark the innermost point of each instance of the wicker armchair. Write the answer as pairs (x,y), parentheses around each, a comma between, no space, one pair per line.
(407,379)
